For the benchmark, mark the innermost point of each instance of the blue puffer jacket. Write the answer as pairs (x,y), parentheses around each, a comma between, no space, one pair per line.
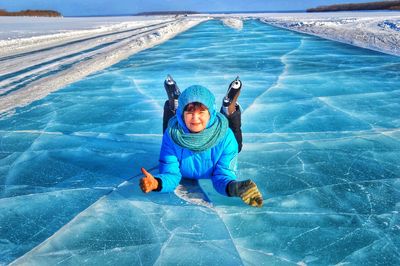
(217,163)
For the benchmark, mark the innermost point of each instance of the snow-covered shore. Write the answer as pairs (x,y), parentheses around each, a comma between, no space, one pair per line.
(379,31)
(34,52)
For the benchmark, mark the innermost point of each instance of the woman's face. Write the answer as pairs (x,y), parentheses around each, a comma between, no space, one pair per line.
(196,117)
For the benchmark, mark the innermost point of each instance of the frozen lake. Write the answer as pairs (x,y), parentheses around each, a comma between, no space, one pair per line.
(321,140)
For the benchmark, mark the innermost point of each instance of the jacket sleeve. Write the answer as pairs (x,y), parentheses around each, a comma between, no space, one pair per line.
(225,168)
(169,172)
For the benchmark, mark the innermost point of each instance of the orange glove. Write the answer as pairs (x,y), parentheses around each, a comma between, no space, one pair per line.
(148,182)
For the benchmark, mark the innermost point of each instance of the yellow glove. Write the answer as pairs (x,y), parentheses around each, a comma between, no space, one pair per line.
(148,182)
(247,190)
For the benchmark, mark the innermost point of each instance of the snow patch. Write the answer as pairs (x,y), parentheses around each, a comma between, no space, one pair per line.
(234,23)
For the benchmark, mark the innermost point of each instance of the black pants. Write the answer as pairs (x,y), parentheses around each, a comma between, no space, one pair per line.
(235,122)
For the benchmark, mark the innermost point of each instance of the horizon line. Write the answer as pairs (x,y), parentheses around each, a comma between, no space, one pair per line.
(196,12)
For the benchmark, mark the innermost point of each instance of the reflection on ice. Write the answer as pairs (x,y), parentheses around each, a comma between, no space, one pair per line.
(321,133)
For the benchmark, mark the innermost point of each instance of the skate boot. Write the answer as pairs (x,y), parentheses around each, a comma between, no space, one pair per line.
(229,104)
(173,92)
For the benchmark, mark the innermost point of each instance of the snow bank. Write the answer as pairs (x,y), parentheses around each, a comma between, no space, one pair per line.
(378,31)
(20,34)
(81,50)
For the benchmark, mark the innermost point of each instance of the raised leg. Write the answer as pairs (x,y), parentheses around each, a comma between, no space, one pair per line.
(171,104)
(230,108)
(235,124)
(168,113)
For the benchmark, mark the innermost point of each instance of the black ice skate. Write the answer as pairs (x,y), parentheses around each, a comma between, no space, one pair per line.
(173,92)
(229,102)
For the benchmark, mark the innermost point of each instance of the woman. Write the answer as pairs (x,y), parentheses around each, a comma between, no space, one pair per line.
(198,143)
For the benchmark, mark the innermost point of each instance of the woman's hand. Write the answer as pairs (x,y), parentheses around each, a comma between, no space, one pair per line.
(247,190)
(148,182)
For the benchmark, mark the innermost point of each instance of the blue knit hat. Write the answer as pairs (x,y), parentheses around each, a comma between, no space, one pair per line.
(196,93)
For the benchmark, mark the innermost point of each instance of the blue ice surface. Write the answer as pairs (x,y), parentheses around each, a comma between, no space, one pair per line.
(321,140)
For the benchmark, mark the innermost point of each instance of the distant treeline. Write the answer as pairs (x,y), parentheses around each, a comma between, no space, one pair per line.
(33,13)
(385,5)
(158,13)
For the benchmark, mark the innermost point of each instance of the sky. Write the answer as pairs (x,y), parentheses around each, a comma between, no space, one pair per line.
(128,7)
